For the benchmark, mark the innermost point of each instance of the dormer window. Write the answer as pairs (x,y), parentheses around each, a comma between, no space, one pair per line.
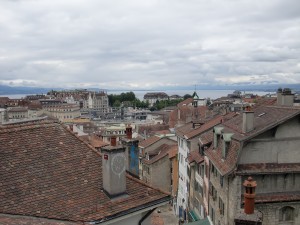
(226,144)
(217,133)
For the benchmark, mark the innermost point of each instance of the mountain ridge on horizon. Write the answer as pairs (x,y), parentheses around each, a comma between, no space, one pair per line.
(5,89)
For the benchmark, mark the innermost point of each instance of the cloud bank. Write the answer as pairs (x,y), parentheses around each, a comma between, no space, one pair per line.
(131,44)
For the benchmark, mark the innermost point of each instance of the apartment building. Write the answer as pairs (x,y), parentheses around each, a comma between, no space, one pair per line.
(261,143)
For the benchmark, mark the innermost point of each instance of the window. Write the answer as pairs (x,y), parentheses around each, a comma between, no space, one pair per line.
(221,206)
(286,213)
(221,181)
(212,214)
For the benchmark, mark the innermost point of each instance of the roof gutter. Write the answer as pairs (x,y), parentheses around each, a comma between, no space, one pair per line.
(146,216)
(131,212)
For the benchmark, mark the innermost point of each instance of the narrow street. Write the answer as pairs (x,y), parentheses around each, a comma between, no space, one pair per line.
(164,216)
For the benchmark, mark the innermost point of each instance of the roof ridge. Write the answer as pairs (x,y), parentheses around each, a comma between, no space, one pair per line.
(145,184)
(83,141)
(26,126)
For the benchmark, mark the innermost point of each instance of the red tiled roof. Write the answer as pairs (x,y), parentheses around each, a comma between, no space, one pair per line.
(227,164)
(46,171)
(6,219)
(187,131)
(277,197)
(149,141)
(207,137)
(185,102)
(265,117)
(164,151)
(195,156)
(261,168)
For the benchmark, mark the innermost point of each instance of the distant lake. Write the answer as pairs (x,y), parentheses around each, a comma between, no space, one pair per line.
(213,94)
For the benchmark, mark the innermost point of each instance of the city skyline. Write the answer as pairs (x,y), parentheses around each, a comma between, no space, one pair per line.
(149,45)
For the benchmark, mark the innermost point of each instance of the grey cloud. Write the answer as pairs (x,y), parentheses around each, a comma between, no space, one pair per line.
(149,43)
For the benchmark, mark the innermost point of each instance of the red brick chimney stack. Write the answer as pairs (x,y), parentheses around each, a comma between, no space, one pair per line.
(249,195)
(113,141)
(129,132)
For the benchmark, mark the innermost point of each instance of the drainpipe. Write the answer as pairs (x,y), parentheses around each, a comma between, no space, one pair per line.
(146,216)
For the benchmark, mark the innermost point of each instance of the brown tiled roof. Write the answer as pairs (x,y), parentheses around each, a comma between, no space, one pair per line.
(277,197)
(46,171)
(265,117)
(187,131)
(6,219)
(207,137)
(173,152)
(208,125)
(164,151)
(185,102)
(255,168)
(149,141)
(224,165)
(195,156)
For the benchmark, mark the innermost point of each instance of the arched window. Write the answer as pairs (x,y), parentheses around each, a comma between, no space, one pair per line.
(286,213)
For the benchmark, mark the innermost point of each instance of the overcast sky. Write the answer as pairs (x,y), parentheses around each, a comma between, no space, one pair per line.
(148,43)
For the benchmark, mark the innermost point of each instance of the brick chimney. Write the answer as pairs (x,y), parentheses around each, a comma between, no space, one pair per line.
(248,120)
(114,169)
(132,152)
(129,132)
(249,195)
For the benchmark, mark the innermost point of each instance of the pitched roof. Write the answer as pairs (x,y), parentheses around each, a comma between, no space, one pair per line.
(187,131)
(262,168)
(46,171)
(277,197)
(164,150)
(265,117)
(227,164)
(149,141)
(195,156)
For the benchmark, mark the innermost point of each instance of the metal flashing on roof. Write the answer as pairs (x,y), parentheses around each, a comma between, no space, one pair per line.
(218,129)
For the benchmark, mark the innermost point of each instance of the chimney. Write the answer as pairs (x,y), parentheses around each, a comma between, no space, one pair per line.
(129,132)
(249,195)
(113,169)
(248,120)
(279,96)
(287,98)
(248,216)
(131,152)
(113,141)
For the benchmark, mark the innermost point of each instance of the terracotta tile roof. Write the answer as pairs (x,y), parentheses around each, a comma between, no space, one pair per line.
(207,137)
(6,219)
(46,171)
(265,117)
(149,141)
(229,163)
(195,156)
(261,168)
(187,131)
(185,102)
(164,150)
(185,111)
(277,197)
(173,152)
(164,132)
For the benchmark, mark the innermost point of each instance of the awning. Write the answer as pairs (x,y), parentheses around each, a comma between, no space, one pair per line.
(193,216)
(200,222)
